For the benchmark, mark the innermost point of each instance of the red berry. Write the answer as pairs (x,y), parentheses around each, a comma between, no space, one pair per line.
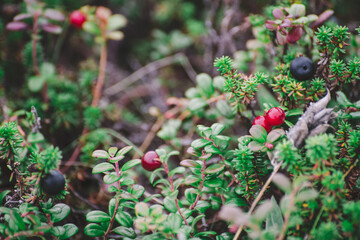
(150,161)
(260,120)
(77,19)
(275,116)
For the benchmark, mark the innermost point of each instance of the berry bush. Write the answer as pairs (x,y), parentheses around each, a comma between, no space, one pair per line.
(179,119)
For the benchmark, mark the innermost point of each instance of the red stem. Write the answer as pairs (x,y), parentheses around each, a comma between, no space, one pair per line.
(112,218)
(173,189)
(200,186)
(34,43)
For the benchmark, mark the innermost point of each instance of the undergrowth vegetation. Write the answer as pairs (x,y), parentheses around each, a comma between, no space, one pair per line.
(204,141)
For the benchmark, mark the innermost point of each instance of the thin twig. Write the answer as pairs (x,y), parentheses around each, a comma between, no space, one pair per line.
(150,136)
(259,196)
(287,214)
(153,66)
(82,198)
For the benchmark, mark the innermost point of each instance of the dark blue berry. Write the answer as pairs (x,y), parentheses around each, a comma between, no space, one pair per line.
(302,68)
(53,183)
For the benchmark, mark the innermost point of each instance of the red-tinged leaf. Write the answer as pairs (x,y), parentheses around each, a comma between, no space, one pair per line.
(278,13)
(270,25)
(281,39)
(51,28)
(323,17)
(286,23)
(255,146)
(275,134)
(189,163)
(16,26)
(294,34)
(22,16)
(54,15)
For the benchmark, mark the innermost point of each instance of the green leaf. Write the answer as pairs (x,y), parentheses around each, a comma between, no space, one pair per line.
(116,21)
(215,182)
(217,128)
(206,233)
(147,199)
(199,217)
(214,168)
(70,230)
(169,204)
(102,154)
(222,141)
(35,137)
(192,93)
(204,82)
(258,133)
(116,159)
(266,98)
(283,182)
(174,221)
(190,194)
(126,232)
(342,99)
(97,216)
(57,231)
(102,167)
(178,170)
(36,83)
(47,69)
(297,10)
(124,219)
(225,109)
(124,150)
(130,164)
(111,178)
(202,206)
(274,219)
(191,179)
(219,83)
(212,149)
(142,209)
(196,103)
(3,194)
(200,143)
(112,151)
(111,206)
(306,195)
(59,212)
(294,112)
(16,222)
(162,154)
(92,28)
(137,191)
(162,181)
(94,230)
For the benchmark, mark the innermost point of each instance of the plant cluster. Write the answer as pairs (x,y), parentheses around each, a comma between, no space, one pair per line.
(228,167)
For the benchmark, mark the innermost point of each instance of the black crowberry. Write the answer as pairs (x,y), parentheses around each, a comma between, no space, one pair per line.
(302,68)
(53,183)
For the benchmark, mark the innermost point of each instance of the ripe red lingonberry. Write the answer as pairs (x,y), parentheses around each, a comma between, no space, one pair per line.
(77,19)
(275,116)
(260,120)
(53,183)
(150,161)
